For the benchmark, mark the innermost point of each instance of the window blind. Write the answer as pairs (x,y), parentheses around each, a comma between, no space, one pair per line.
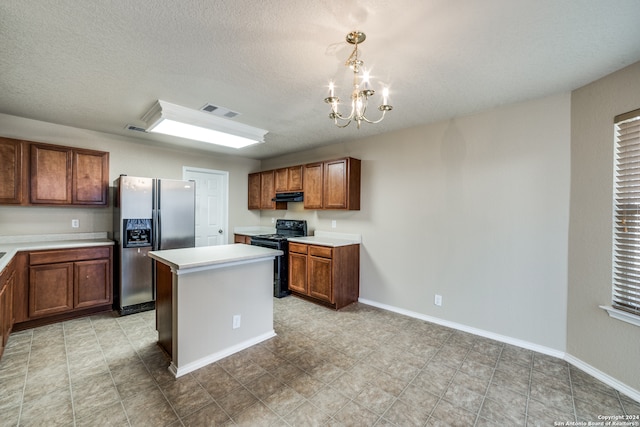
(626,233)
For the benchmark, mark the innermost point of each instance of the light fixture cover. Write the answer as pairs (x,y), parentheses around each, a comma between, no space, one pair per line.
(172,119)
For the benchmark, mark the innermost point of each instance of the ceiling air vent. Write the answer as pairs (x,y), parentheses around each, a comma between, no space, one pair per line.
(135,128)
(217,110)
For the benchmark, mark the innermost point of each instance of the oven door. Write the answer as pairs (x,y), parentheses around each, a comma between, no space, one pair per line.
(280,268)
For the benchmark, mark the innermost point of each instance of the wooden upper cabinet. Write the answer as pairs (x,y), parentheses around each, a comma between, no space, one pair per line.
(68,176)
(333,184)
(341,187)
(313,178)
(254,191)
(50,175)
(288,179)
(12,179)
(90,185)
(267,190)
(262,191)
(282,180)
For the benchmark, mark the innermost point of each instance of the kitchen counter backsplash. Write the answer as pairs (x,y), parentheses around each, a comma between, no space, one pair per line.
(253,230)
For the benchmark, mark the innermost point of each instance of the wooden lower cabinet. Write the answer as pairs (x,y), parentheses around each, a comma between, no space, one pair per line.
(241,238)
(91,283)
(50,289)
(66,281)
(164,307)
(330,275)
(7,282)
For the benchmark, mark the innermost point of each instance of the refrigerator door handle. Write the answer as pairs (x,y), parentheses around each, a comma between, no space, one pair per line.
(158,229)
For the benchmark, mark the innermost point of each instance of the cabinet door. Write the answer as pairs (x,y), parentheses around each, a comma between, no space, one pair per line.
(9,312)
(312,182)
(295,178)
(335,184)
(50,289)
(267,190)
(6,309)
(281,180)
(50,174)
(11,178)
(91,283)
(298,272)
(288,179)
(320,278)
(90,177)
(254,191)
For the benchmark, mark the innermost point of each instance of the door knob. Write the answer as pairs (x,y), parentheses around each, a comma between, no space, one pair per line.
(220,231)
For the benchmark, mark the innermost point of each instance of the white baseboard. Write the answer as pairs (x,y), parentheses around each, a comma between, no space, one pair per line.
(197,364)
(607,379)
(610,381)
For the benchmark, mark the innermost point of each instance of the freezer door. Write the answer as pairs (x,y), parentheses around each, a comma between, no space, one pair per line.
(176,207)
(136,197)
(136,286)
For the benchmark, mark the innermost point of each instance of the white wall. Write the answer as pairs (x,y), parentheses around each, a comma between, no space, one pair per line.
(475,209)
(610,345)
(126,156)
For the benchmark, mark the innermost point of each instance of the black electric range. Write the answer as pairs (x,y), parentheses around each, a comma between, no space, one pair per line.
(285,228)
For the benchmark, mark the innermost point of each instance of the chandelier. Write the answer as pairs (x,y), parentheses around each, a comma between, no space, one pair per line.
(361,92)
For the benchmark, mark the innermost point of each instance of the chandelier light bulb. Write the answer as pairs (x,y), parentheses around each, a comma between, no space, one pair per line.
(361,92)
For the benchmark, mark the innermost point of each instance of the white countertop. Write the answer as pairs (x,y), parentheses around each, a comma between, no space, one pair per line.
(14,244)
(211,256)
(328,238)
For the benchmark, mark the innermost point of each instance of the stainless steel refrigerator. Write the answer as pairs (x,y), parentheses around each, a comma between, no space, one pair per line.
(149,214)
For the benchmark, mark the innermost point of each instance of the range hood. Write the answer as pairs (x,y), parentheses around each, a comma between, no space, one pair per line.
(297,196)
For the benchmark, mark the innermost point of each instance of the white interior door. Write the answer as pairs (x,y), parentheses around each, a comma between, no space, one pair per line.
(212,204)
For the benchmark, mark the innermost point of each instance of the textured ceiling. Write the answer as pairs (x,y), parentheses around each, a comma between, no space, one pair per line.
(100,65)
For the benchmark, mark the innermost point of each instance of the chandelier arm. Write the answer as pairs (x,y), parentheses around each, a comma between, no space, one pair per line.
(335,122)
(373,122)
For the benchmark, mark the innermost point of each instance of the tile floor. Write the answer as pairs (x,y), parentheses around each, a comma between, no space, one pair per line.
(357,367)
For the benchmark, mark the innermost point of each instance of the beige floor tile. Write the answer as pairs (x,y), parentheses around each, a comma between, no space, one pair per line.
(357,366)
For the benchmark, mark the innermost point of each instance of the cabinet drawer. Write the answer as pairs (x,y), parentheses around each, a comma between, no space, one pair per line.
(298,248)
(320,251)
(67,255)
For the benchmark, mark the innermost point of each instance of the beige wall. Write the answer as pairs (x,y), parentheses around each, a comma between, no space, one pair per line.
(610,345)
(126,156)
(475,209)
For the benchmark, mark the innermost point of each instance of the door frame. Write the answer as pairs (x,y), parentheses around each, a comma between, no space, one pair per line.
(225,185)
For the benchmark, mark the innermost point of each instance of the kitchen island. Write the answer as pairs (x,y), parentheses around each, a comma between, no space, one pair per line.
(212,301)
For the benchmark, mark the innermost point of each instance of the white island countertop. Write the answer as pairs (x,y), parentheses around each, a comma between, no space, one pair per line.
(328,238)
(182,260)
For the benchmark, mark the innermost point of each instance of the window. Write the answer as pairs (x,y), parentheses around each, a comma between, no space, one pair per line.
(626,229)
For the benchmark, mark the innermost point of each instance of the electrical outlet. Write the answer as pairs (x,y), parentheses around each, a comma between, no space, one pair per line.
(75,223)
(236,321)
(333,223)
(438,300)
(273,220)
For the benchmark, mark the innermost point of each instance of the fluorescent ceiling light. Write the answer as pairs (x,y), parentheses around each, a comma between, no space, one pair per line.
(172,119)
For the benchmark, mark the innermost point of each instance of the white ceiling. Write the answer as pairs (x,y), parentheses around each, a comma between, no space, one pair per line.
(100,65)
